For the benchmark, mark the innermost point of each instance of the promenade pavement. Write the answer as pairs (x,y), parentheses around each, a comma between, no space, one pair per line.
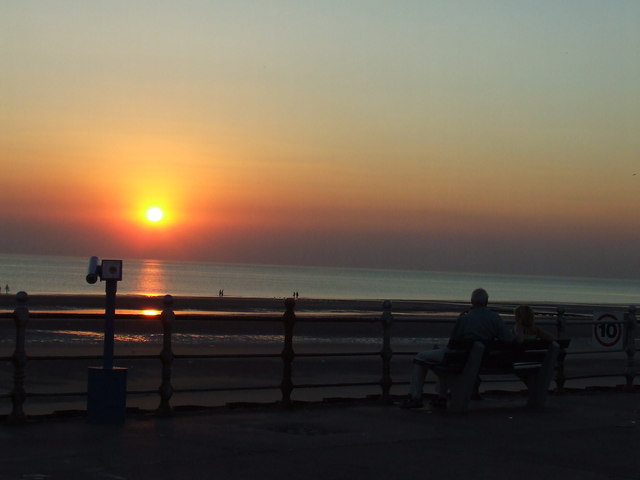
(579,435)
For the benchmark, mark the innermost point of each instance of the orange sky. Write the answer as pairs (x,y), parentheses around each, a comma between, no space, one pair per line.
(415,135)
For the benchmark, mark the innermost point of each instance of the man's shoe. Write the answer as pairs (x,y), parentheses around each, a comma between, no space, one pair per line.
(411,403)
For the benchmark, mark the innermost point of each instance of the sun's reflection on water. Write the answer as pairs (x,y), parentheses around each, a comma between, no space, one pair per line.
(152,278)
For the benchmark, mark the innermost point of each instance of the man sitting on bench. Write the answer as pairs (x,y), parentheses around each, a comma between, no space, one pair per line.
(479,323)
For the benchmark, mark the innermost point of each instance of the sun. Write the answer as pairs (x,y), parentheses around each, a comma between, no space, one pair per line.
(155,214)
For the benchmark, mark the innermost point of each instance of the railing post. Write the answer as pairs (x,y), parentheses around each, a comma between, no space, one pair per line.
(166,357)
(18,395)
(289,319)
(386,353)
(561,325)
(630,347)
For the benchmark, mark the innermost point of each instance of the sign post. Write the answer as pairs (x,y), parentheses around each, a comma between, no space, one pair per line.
(607,330)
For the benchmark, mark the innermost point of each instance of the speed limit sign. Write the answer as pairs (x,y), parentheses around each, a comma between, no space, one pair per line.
(607,330)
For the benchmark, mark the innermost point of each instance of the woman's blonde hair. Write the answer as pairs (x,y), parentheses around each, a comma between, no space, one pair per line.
(524,314)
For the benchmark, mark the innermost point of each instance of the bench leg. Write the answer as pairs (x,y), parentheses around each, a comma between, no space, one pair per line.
(539,384)
(462,384)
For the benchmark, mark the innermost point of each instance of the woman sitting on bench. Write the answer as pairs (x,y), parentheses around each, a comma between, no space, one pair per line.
(525,327)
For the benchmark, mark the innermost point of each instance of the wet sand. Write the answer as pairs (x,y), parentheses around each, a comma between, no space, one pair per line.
(250,304)
(49,311)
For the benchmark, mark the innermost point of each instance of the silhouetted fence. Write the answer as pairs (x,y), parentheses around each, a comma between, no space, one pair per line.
(559,319)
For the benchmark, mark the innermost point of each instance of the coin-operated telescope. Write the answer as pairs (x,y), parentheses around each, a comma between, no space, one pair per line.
(107,387)
(109,270)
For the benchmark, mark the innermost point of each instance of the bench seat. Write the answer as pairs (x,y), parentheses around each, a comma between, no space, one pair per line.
(532,361)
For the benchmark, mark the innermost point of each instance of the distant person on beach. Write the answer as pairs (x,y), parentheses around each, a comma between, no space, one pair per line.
(525,326)
(479,323)
(6,289)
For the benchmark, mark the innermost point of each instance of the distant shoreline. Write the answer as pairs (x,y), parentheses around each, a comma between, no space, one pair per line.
(181,302)
(64,277)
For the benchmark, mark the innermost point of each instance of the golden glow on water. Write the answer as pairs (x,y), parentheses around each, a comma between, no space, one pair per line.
(151,280)
(79,334)
(151,313)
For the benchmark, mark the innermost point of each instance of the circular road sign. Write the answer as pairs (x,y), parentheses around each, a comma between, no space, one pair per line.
(607,331)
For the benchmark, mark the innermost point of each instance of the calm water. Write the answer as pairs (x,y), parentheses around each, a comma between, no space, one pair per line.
(52,274)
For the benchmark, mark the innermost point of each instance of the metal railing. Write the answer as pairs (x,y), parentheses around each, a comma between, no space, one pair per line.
(559,319)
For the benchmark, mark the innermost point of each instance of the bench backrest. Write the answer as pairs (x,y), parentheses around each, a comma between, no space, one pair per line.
(501,355)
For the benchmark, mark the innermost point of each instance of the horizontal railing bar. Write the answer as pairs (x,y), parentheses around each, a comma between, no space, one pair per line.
(277,319)
(325,385)
(223,389)
(596,352)
(226,355)
(63,357)
(56,394)
(205,356)
(599,375)
(262,355)
(339,354)
(276,387)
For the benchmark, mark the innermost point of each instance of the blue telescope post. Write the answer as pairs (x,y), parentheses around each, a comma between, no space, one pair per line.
(109,323)
(107,386)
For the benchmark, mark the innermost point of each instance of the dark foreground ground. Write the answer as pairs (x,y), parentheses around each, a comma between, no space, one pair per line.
(580,435)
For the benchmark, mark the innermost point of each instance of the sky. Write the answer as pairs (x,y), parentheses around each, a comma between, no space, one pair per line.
(459,135)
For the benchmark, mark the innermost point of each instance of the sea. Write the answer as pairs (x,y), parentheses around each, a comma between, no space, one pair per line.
(40,274)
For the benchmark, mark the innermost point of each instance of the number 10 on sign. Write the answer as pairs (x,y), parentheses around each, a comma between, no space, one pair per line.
(607,330)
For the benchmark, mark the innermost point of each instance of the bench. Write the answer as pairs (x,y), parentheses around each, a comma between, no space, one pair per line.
(532,361)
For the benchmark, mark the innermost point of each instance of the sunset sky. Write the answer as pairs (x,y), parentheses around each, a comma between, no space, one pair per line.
(465,135)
